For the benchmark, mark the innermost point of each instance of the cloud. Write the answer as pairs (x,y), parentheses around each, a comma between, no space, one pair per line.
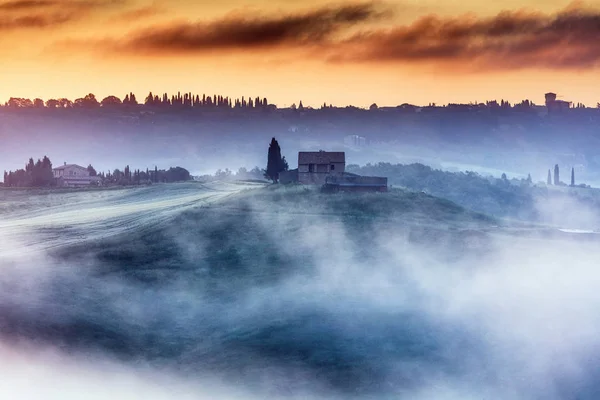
(509,40)
(34,21)
(348,34)
(243,32)
(26,4)
(139,13)
(31,14)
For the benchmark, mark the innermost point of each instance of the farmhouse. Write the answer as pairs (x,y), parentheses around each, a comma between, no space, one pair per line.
(329,170)
(72,175)
(315,166)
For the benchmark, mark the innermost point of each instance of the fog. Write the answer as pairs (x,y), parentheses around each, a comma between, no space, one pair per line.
(568,213)
(32,373)
(202,143)
(189,291)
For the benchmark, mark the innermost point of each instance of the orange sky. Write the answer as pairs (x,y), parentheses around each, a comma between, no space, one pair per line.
(388,52)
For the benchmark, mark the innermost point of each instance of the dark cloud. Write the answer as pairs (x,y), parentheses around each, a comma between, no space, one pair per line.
(251,32)
(26,4)
(349,34)
(18,5)
(33,21)
(31,14)
(569,39)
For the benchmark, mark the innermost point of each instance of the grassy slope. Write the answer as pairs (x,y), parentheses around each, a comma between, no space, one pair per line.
(239,240)
(391,205)
(219,254)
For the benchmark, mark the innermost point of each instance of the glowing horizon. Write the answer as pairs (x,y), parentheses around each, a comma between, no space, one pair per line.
(341,53)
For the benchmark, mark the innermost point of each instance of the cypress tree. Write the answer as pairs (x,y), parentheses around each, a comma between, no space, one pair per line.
(149,99)
(275,163)
(47,174)
(573,176)
(549,178)
(556,175)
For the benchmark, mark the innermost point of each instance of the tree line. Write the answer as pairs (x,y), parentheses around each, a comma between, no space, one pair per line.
(185,100)
(41,174)
(35,174)
(127,177)
(190,100)
(558,182)
(276,163)
(242,174)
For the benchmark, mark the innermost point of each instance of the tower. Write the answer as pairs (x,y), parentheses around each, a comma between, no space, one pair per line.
(550,97)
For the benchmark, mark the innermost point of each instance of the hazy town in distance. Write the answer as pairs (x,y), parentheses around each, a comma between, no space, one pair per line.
(478,137)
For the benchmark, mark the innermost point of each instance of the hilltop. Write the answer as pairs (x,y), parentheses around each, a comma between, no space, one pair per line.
(243,235)
(392,206)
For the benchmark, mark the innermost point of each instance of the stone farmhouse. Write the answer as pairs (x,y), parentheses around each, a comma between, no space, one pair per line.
(315,166)
(328,169)
(72,175)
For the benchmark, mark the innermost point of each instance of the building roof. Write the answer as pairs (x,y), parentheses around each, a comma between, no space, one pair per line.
(68,166)
(321,157)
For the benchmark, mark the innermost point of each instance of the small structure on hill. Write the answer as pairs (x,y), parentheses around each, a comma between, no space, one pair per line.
(554,105)
(73,175)
(290,176)
(328,169)
(315,166)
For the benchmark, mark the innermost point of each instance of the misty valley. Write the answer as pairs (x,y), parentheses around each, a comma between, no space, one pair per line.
(312,200)
(239,289)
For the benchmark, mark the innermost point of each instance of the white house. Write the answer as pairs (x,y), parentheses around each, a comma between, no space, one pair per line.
(72,175)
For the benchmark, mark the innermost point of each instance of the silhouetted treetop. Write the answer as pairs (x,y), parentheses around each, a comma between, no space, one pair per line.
(111,101)
(275,163)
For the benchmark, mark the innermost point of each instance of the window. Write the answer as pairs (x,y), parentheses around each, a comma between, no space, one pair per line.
(311,167)
(332,167)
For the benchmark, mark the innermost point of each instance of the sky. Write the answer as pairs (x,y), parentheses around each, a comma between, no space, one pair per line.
(345,52)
